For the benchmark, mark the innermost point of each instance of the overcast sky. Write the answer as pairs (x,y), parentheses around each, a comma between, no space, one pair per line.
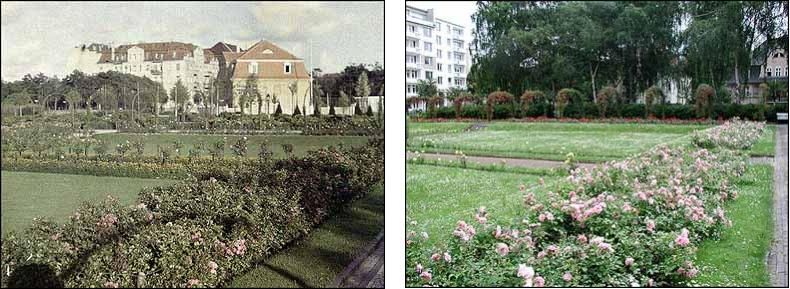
(458,12)
(37,37)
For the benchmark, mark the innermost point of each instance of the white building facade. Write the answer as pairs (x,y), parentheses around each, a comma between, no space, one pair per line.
(166,63)
(435,49)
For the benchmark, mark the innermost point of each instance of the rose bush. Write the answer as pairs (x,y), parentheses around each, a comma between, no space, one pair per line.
(198,233)
(634,222)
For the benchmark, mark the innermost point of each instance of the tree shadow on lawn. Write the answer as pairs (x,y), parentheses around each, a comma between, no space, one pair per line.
(327,248)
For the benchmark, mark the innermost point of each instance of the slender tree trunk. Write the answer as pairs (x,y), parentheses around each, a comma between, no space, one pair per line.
(593,72)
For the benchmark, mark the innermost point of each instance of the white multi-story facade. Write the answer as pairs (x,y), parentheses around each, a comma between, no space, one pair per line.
(435,49)
(165,62)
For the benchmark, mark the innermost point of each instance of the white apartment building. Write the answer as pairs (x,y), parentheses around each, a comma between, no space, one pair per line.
(435,49)
(165,62)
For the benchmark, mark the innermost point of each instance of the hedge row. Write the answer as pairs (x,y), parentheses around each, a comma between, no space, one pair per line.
(590,110)
(198,233)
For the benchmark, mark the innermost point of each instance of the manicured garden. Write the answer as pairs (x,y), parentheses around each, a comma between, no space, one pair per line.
(301,143)
(553,141)
(684,211)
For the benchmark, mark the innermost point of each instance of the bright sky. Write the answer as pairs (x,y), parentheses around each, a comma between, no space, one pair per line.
(38,36)
(458,12)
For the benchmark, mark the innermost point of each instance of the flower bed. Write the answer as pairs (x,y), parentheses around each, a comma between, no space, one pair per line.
(735,134)
(634,222)
(194,234)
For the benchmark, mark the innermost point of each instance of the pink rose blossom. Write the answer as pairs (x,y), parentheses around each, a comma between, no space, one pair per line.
(110,284)
(418,268)
(682,239)
(193,282)
(540,282)
(426,276)
(436,257)
(525,272)
(213,267)
(629,261)
(567,277)
(502,249)
(651,225)
(582,239)
(447,257)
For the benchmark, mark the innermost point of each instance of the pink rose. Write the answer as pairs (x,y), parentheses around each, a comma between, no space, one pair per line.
(426,276)
(567,277)
(502,249)
(447,257)
(683,239)
(525,272)
(629,261)
(436,257)
(540,282)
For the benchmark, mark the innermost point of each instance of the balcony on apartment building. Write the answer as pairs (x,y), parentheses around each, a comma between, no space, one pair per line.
(413,65)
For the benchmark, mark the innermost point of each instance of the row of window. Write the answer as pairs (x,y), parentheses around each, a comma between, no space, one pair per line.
(253,68)
(412,88)
(777,71)
(458,56)
(457,31)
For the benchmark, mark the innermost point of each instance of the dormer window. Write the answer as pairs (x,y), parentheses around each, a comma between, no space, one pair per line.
(287,68)
(267,51)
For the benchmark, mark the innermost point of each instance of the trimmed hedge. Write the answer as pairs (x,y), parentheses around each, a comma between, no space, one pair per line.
(198,233)
(590,110)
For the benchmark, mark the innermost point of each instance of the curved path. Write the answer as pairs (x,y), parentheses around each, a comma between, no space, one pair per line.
(777,257)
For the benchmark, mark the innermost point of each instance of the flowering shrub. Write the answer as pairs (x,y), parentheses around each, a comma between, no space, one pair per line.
(733,134)
(196,233)
(634,222)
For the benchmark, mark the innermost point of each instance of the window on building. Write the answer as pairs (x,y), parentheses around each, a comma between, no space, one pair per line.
(428,60)
(426,31)
(787,72)
(778,71)
(287,68)
(439,53)
(411,58)
(448,27)
(411,88)
(439,66)
(767,71)
(412,29)
(252,68)
(411,73)
(439,80)
(428,75)
(412,43)
(428,46)
(438,26)
(438,40)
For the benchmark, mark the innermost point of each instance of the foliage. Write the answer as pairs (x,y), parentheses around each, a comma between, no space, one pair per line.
(427,88)
(494,98)
(240,147)
(633,222)
(702,98)
(530,96)
(562,99)
(607,95)
(653,95)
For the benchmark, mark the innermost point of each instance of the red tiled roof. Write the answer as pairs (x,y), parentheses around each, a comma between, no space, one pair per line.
(265,49)
(161,51)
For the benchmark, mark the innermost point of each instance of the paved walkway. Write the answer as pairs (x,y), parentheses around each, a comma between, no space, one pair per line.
(367,269)
(528,163)
(777,257)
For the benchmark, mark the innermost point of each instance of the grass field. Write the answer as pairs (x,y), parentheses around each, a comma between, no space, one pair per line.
(317,260)
(437,197)
(28,195)
(551,141)
(737,259)
(301,143)
(766,146)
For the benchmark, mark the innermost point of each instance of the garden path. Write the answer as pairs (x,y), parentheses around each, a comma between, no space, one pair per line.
(527,163)
(777,257)
(367,269)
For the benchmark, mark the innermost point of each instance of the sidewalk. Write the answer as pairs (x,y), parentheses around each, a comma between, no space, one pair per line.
(777,257)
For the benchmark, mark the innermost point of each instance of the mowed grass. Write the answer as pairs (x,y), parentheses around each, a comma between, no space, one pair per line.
(550,141)
(318,259)
(737,259)
(766,145)
(437,197)
(302,144)
(29,195)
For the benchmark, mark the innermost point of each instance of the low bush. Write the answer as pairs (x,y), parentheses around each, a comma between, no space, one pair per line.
(634,222)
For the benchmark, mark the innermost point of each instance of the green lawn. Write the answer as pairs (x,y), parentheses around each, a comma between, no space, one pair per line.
(437,197)
(302,144)
(28,195)
(317,260)
(552,141)
(766,146)
(737,259)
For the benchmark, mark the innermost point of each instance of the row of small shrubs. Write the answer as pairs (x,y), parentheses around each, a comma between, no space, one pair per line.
(198,233)
(629,223)
(591,111)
